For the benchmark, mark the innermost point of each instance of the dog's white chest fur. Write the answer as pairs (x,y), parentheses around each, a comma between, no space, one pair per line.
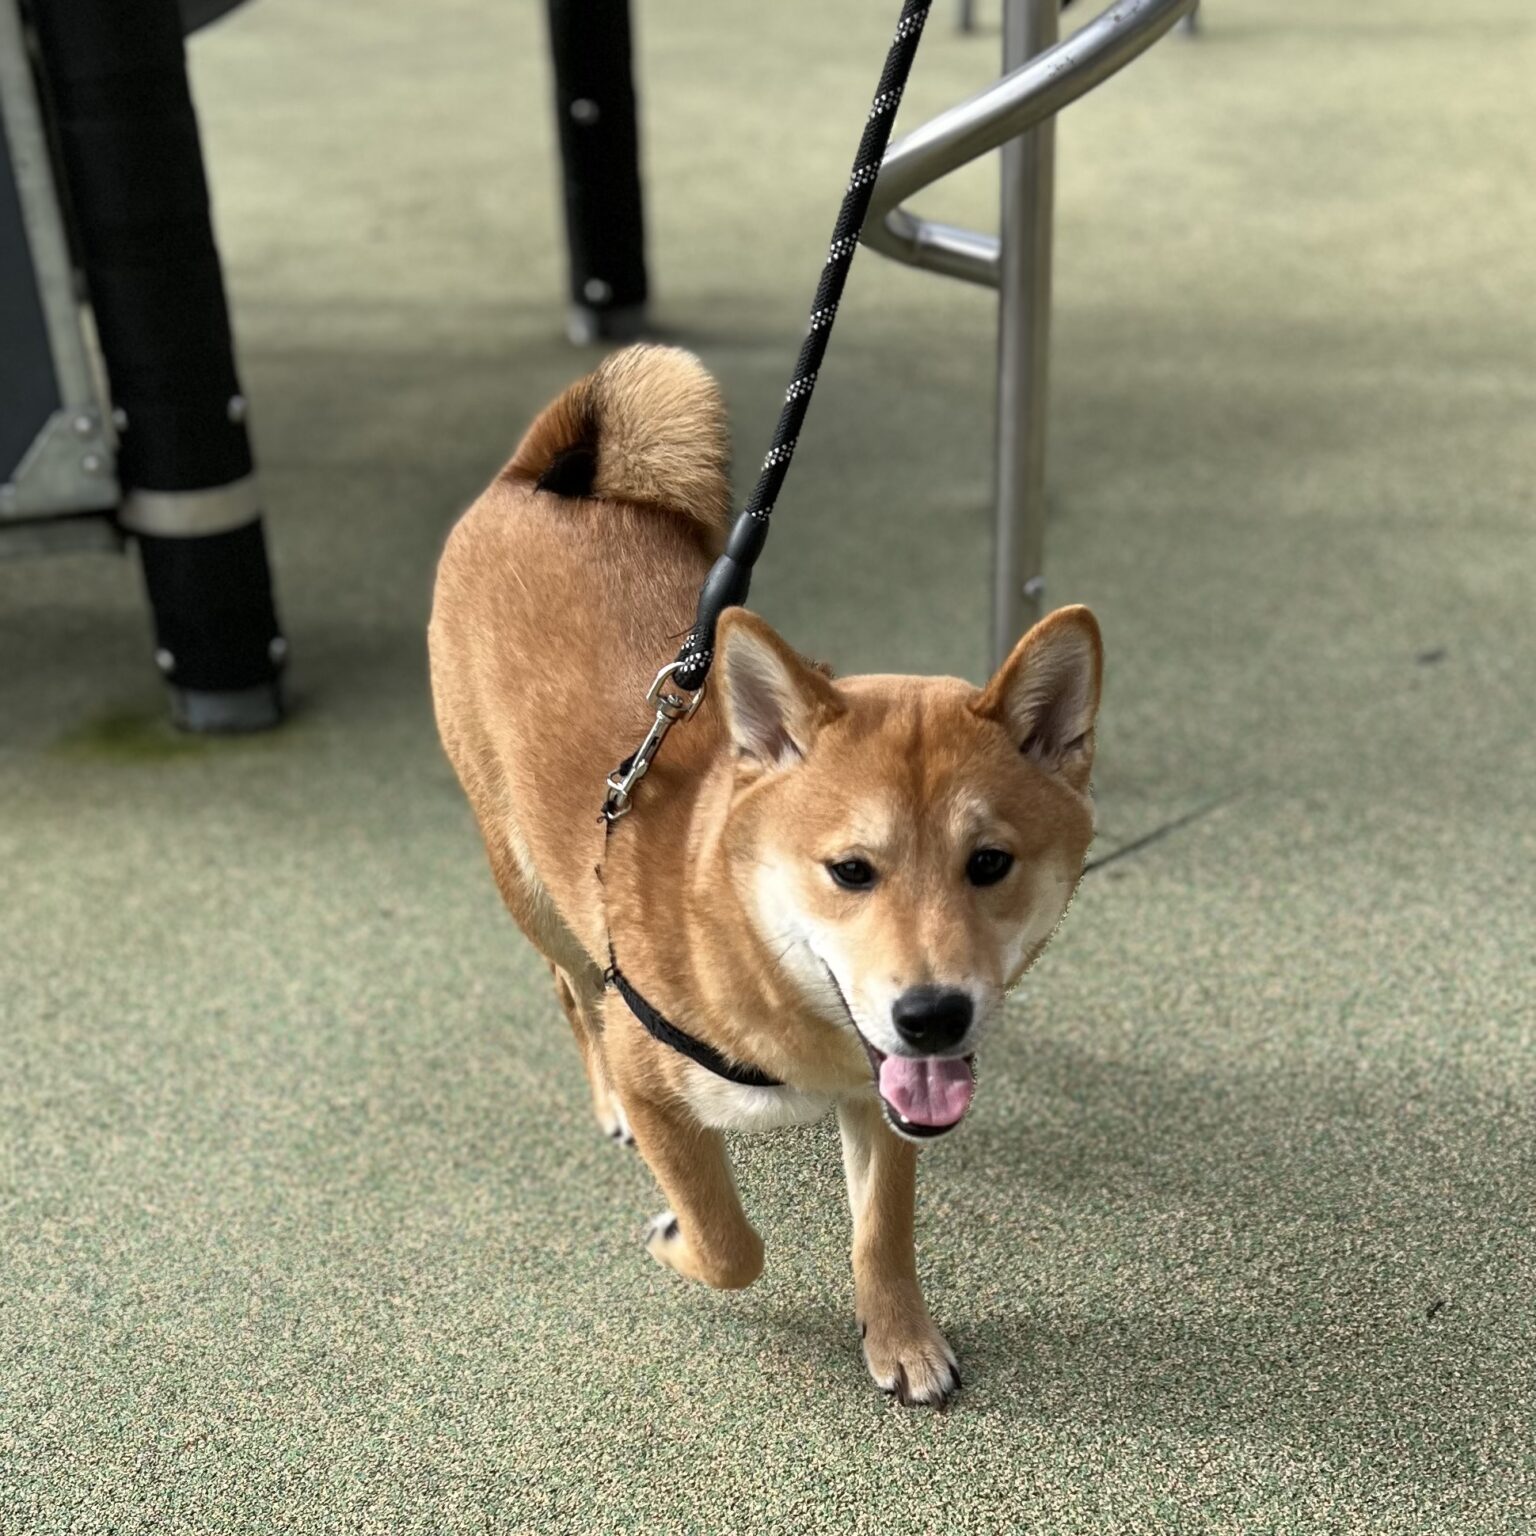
(734,1107)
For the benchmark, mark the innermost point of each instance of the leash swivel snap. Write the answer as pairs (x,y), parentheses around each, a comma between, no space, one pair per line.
(671,705)
(675,706)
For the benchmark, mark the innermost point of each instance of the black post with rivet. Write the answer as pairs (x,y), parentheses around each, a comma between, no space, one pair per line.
(598,125)
(133,169)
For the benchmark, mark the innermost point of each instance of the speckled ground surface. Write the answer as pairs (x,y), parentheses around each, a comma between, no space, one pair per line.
(303,1223)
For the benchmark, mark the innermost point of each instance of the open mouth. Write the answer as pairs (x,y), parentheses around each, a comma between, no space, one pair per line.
(923,1096)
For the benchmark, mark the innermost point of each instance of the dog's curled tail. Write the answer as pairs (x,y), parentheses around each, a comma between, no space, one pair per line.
(648,427)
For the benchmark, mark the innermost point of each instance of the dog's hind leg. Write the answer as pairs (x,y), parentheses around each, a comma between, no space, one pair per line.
(584,1009)
(905,1352)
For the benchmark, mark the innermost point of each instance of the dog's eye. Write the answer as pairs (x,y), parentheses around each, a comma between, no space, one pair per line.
(987,866)
(853,874)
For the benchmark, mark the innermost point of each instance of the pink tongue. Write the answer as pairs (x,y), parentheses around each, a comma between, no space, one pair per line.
(927,1090)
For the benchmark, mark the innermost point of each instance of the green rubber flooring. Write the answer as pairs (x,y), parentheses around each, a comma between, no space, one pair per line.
(304,1224)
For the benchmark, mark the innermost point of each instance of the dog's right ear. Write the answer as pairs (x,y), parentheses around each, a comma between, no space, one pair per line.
(774,702)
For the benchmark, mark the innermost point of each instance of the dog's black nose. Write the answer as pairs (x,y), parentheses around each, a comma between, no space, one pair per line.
(932,1019)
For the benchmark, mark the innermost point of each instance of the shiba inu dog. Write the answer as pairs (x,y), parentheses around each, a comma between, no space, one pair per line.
(827,886)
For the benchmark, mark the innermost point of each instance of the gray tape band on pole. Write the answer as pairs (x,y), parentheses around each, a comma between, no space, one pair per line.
(192,514)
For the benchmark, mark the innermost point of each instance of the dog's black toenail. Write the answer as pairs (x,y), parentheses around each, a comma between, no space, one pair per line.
(863,1329)
(669,1232)
(903,1387)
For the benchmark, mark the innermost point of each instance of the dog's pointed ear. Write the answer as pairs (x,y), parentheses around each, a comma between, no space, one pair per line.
(773,701)
(1047,693)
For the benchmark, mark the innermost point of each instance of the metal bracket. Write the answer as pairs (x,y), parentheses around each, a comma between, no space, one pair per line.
(84,533)
(68,468)
(70,465)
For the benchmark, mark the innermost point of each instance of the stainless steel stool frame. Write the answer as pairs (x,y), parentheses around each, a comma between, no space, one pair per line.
(1043,76)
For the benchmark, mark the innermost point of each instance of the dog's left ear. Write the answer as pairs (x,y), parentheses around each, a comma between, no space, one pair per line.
(774,702)
(1047,693)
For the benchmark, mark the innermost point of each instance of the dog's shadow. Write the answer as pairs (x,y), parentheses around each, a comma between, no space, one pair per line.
(1317,1271)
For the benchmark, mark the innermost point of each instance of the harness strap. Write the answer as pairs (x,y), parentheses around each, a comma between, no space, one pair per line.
(661,1028)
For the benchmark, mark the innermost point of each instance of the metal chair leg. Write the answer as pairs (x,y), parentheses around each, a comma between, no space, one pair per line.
(1041,76)
(1023,349)
(134,168)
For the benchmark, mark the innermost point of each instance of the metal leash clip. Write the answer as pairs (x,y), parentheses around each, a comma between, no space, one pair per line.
(670,708)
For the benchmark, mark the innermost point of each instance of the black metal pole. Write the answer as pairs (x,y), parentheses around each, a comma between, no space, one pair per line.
(596,118)
(133,167)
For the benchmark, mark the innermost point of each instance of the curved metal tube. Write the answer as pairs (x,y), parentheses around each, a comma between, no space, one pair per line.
(1011,106)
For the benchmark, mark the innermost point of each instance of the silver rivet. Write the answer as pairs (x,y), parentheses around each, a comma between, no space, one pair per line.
(164,660)
(584,111)
(596,290)
(277,649)
(85,426)
(91,464)
(1035,587)
(120,418)
(236,408)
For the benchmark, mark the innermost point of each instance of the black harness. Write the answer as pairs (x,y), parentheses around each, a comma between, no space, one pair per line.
(659,1027)
(679,686)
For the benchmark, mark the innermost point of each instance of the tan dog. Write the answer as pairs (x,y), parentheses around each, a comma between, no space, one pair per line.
(833,883)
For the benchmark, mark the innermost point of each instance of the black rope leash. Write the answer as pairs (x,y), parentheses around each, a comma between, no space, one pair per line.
(730,577)
(727,583)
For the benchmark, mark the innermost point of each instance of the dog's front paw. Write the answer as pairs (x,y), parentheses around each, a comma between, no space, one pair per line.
(911,1359)
(728,1270)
